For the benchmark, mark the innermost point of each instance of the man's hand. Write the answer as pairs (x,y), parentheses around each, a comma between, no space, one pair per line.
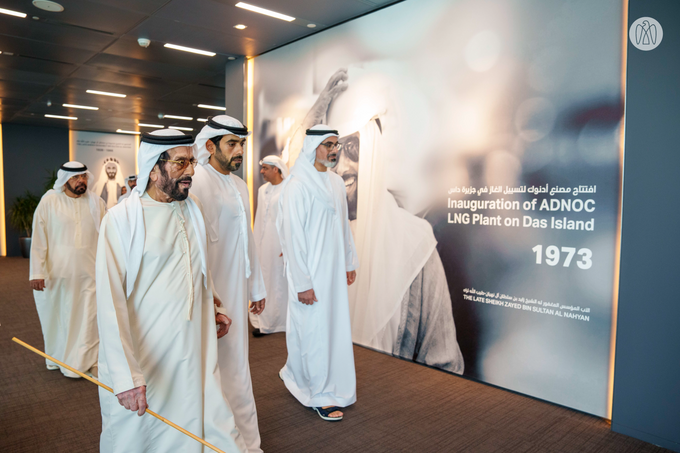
(308,297)
(257,308)
(224,322)
(134,400)
(37,285)
(351,276)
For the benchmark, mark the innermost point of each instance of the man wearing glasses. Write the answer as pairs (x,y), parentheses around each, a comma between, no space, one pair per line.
(320,261)
(157,312)
(63,249)
(232,257)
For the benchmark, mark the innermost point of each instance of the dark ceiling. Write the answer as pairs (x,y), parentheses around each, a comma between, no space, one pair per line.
(54,58)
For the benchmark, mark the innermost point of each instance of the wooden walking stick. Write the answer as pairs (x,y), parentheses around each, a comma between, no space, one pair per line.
(164,420)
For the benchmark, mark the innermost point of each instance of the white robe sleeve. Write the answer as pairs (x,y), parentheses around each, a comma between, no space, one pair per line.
(351,257)
(112,313)
(295,205)
(256,289)
(218,310)
(39,244)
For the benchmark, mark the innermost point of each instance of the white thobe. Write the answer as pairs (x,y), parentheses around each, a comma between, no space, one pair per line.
(319,249)
(149,339)
(273,318)
(231,252)
(63,250)
(112,189)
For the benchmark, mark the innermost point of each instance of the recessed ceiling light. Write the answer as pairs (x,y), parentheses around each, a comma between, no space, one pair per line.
(266,12)
(214,107)
(0,51)
(240,26)
(175,117)
(311,25)
(9,12)
(121,131)
(150,125)
(59,117)
(231,58)
(189,49)
(180,128)
(106,93)
(47,5)
(202,120)
(84,107)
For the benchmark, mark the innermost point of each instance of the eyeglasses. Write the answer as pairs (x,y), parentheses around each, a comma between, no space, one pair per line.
(331,145)
(181,164)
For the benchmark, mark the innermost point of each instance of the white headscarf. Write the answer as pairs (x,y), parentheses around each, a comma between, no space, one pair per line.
(128,215)
(277,162)
(68,171)
(217,126)
(304,166)
(129,189)
(128,179)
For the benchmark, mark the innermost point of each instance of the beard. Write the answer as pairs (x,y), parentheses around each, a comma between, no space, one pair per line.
(79,189)
(171,187)
(331,162)
(229,164)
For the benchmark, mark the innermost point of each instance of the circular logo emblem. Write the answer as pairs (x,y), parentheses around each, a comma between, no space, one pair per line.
(646,33)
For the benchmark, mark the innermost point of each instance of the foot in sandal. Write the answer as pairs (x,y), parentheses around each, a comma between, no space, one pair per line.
(329,413)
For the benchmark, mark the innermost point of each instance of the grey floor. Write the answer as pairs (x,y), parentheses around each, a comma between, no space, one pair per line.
(402,407)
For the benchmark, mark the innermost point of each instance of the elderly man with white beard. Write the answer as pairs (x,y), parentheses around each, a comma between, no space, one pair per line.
(232,257)
(63,250)
(273,319)
(320,260)
(157,312)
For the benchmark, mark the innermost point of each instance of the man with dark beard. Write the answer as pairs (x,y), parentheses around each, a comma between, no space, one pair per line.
(232,258)
(64,245)
(157,312)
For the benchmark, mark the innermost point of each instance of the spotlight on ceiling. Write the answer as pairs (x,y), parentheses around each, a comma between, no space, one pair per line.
(47,5)
(121,131)
(180,128)
(266,12)
(175,117)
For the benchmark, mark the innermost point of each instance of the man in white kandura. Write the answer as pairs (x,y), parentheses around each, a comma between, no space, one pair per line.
(320,260)
(63,250)
(130,183)
(232,259)
(273,319)
(157,312)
